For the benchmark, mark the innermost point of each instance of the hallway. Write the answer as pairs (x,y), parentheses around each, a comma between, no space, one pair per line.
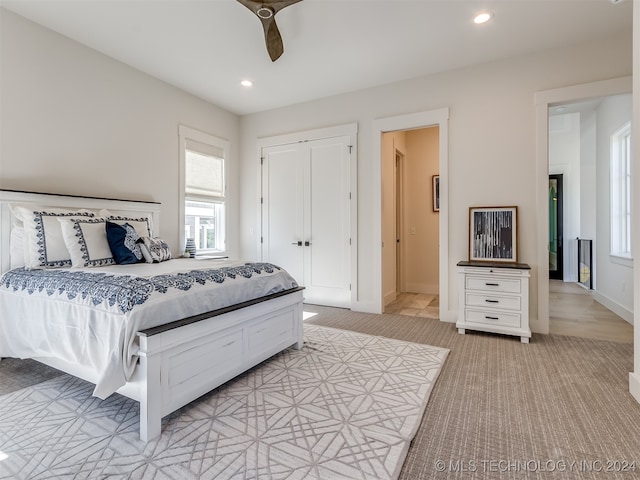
(573,311)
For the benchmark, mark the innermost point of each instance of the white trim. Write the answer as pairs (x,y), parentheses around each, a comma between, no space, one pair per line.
(542,101)
(620,260)
(316,134)
(440,118)
(634,385)
(185,132)
(348,129)
(620,310)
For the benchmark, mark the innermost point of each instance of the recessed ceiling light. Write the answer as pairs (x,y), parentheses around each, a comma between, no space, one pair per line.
(482,17)
(246,83)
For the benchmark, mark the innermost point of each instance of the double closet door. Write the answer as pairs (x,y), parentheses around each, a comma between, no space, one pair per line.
(306,216)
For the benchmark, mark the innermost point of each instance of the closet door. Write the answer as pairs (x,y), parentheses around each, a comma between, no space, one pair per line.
(282,197)
(305,216)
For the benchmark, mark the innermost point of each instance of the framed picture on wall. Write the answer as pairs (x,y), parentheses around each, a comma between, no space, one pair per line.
(435,188)
(493,234)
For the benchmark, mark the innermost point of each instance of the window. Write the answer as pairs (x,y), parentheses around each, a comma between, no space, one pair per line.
(202,167)
(621,192)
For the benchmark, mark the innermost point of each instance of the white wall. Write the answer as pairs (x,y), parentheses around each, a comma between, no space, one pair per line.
(588,177)
(491,148)
(564,159)
(614,277)
(75,121)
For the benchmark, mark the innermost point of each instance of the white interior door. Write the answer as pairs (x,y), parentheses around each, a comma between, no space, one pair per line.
(327,222)
(282,197)
(306,216)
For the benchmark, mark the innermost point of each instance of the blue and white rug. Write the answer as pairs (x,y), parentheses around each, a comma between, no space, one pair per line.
(345,406)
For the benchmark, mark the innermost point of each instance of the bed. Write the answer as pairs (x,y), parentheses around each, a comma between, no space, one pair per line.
(161,333)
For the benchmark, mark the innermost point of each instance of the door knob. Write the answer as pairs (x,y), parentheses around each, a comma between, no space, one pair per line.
(307,244)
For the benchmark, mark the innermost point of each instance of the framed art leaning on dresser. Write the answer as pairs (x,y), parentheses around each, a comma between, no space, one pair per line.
(493,234)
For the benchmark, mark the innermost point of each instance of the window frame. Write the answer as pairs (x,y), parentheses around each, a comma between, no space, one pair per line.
(620,205)
(185,134)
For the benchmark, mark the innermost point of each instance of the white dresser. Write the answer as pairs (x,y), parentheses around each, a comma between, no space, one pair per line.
(494,297)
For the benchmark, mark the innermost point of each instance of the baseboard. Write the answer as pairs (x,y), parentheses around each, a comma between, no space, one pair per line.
(537,327)
(390,297)
(366,307)
(450,317)
(634,385)
(422,288)
(615,307)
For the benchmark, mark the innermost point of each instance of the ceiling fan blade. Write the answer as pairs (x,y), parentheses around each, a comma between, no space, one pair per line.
(280,4)
(273,39)
(266,10)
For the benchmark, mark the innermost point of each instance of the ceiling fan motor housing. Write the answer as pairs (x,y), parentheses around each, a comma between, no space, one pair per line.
(264,12)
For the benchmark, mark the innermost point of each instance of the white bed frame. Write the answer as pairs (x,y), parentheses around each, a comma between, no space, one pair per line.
(183,360)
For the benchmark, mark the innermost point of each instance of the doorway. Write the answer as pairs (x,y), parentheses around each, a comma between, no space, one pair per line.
(440,118)
(410,223)
(579,121)
(556,270)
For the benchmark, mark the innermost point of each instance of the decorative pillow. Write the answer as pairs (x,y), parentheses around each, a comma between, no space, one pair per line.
(141,223)
(154,249)
(16,247)
(86,240)
(44,246)
(123,243)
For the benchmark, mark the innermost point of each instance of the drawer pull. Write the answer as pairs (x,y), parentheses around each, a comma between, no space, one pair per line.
(491,318)
(492,284)
(491,301)
(230,343)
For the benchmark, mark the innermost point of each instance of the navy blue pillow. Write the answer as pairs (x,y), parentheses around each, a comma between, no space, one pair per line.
(123,243)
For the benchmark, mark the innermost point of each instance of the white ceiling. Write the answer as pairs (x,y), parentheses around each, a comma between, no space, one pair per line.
(331,46)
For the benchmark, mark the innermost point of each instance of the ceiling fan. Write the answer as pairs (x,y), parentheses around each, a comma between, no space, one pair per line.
(266,11)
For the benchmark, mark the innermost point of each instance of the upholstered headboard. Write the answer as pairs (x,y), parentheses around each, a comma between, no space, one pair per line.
(117,207)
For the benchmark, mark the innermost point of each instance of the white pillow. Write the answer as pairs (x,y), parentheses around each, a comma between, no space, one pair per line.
(141,223)
(43,243)
(16,247)
(86,241)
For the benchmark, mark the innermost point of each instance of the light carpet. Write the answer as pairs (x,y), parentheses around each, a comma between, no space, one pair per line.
(345,406)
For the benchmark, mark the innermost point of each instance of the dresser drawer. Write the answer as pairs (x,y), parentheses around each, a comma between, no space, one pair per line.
(494,301)
(480,317)
(504,285)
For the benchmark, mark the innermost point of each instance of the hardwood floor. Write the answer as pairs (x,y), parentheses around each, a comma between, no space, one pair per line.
(415,305)
(572,311)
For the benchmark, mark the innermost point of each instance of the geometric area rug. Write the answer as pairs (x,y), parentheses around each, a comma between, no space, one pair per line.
(345,406)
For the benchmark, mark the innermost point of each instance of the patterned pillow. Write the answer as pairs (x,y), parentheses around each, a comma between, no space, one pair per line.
(141,223)
(123,243)
(16,247)
(86,241)
(154,249)
(44,246)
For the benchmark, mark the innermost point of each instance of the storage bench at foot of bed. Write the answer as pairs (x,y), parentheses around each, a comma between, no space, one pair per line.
(178,364)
